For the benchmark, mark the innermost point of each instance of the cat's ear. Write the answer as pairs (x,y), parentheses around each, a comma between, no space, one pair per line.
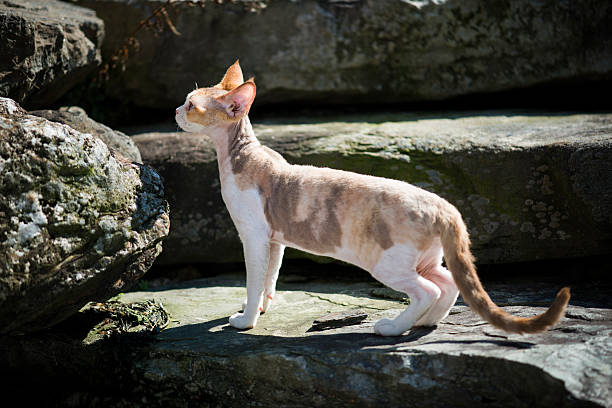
(232,79)
(237,102)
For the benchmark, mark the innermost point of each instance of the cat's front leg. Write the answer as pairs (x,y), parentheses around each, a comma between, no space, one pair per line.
(257,258)
(276,258)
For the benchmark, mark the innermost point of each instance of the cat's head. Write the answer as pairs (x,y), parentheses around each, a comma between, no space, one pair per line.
(217,106)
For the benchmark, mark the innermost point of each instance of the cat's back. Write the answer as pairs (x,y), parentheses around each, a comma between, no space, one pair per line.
(305,191)
(291,191)
(357,185)
(279,173)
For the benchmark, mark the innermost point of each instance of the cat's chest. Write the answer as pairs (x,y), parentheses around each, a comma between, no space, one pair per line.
(244,205)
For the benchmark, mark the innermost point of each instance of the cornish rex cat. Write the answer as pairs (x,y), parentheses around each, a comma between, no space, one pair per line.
(392,229)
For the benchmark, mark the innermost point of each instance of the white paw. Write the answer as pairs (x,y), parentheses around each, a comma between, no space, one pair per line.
(385,327)
(239,321)
(244,305)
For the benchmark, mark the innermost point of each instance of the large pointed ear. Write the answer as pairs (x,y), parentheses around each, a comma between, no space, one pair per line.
(237,103)
(233,77)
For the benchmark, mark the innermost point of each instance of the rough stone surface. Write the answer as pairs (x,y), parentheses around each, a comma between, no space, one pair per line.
(76,223)
(46,47)
(360,51)
(198,360)
(77,118)
(530,186)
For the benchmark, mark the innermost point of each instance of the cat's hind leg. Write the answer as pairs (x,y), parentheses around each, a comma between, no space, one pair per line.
(397,269)
(448,296)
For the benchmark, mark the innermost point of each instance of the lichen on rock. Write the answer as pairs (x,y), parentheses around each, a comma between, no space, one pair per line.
(77,118)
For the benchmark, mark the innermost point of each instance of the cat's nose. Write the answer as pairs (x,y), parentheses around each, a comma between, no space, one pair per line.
(176,111)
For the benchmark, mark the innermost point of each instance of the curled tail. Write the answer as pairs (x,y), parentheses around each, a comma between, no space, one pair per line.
(459,259)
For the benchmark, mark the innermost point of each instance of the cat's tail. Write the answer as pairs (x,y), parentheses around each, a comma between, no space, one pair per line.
(456,245)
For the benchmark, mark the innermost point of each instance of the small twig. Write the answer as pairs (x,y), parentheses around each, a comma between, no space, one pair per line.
(169,22)
(157,22)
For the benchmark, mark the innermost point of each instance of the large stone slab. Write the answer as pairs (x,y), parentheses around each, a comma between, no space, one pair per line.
(47,47)
(530,186)
(76,223)
(358,51)
(198,360)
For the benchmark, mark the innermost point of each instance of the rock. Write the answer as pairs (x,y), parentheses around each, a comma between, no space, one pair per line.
(359,51)
(198,360)
(530,186)
(48,47)
(76,223)
(202,230)
(76,118)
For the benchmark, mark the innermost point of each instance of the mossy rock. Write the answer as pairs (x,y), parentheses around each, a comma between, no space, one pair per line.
(76,223)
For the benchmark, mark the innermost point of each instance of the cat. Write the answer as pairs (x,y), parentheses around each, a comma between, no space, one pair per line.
(394,230)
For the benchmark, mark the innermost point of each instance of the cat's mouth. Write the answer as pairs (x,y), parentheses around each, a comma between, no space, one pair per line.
(180,119)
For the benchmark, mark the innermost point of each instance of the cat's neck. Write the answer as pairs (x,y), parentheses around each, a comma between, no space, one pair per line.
(233,140)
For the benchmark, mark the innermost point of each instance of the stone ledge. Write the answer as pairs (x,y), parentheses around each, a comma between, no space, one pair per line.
(198,360)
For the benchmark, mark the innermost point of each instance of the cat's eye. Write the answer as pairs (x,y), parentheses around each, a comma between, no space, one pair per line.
(190,106)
